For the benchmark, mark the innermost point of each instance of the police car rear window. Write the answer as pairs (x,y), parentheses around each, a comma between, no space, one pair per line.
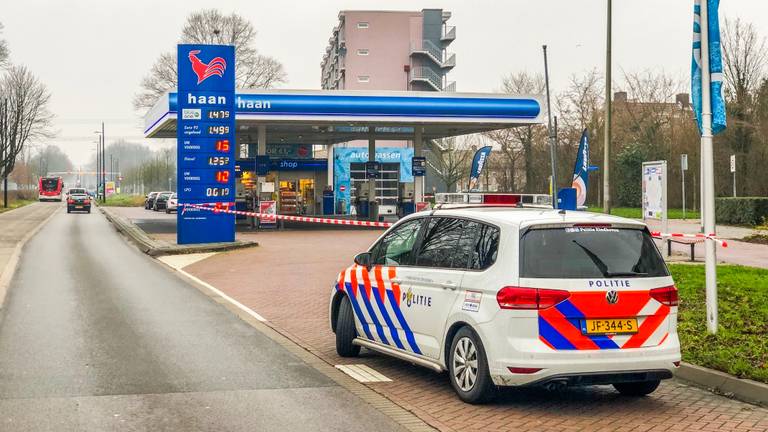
(575,252)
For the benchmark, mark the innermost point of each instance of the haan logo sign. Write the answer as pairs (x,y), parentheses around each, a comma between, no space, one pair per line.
(216,66)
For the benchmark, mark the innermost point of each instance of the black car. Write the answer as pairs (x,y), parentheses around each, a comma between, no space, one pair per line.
(161,201)
(150,201)
(78,202)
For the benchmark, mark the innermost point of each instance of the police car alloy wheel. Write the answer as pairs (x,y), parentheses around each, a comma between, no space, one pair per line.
(345,330)
(468,368)
(465,364)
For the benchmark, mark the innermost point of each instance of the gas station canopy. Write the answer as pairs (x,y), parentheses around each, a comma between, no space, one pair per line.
(332,116)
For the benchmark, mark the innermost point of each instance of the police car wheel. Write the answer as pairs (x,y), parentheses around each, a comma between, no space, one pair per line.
(468,368)
(345,330)
(637,388)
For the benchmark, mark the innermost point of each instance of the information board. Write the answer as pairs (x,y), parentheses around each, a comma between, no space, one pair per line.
(419,166)
(655,190)
(205,142)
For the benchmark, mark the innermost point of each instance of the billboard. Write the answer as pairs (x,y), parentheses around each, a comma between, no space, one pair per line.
(206,141)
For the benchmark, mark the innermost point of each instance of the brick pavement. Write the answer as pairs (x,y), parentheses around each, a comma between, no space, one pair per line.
(288,281)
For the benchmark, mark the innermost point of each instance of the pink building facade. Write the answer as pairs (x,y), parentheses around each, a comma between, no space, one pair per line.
(390,50)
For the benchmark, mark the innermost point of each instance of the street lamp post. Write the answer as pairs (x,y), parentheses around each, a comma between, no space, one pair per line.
(99,165)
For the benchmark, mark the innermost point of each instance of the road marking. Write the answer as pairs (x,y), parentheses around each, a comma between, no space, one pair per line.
(178,262)
(363,373)
(172,262)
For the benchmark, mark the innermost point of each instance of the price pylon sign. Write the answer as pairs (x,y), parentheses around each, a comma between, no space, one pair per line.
(205,134)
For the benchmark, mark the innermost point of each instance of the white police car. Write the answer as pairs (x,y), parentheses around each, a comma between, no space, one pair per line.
(501,296)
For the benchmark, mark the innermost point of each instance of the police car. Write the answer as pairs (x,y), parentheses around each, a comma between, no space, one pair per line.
(514,296)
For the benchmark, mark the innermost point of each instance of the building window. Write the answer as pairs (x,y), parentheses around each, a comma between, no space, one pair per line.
(362,51)
(363,78)
(362,25)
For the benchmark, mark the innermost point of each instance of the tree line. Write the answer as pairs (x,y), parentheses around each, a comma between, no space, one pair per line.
(24,115)
(652,120)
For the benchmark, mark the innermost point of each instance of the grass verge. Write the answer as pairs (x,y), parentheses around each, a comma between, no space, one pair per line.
(124,200)
(14,204)
(637,213)
(740,346)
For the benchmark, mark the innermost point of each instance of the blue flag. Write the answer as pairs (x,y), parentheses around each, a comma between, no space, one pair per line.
(715,65)
(478,162)
(581,170)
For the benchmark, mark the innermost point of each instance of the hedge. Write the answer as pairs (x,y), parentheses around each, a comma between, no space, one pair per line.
(742,210)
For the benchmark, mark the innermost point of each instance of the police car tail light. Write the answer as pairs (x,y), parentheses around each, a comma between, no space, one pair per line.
(666,295)
(511,297)
(523,370)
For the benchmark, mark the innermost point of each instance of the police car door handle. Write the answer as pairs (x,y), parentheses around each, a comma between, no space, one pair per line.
(449,285)
(397,280)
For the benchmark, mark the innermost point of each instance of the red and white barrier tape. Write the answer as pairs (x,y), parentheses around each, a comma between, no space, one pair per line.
(712,237)
(291,218)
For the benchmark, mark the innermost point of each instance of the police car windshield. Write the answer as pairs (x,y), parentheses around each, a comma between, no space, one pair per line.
(585,252)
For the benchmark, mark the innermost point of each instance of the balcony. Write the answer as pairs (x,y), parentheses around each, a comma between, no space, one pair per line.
(429,50)
(449,34)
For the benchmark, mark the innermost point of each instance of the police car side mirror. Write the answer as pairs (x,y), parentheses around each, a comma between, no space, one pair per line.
(363,259)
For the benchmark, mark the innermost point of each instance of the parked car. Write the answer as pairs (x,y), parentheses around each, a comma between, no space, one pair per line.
(150,200)
(78,202)
(161,200)
(172,204)
(500,296)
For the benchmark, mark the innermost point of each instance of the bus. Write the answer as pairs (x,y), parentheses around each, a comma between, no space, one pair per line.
(50,188)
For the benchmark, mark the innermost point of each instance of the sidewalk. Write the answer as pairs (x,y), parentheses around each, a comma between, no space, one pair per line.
(16,227)
(737,252)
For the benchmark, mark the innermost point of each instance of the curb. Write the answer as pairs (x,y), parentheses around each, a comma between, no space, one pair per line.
(10,267)
(154,248)
(727,385)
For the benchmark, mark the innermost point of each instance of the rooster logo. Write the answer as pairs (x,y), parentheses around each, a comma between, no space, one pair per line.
(217,66)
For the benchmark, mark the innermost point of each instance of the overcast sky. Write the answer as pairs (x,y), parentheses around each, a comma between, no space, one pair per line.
(93,54)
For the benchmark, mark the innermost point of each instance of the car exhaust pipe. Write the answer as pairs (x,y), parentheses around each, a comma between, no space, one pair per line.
(556,385)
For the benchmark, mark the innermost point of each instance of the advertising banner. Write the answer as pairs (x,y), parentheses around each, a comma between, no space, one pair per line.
(478,163)
(110,188)
(269,208)
(717,101)
(205,141)
(343,156)
(581,171)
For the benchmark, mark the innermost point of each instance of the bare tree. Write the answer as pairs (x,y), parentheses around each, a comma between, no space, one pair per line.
(210,26)
(4,51)
(745,56)
(452,157)
(744,52)
(24,114)
(520,140)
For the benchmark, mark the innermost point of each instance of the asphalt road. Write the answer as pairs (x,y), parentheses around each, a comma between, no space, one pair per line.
(96,336)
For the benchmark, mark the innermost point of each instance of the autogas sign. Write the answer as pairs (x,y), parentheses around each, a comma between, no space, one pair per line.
(206,138)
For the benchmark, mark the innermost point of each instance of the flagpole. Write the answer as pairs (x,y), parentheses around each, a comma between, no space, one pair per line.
(708,178)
